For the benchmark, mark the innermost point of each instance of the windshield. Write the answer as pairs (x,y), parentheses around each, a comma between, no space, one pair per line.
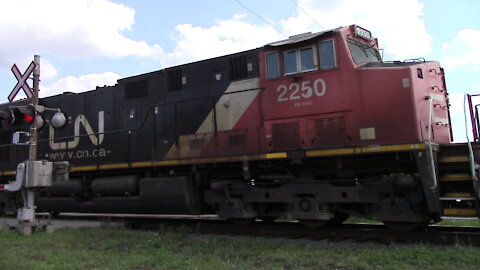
(363,53)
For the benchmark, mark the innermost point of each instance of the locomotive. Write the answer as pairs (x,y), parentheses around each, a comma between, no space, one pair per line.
(314,128)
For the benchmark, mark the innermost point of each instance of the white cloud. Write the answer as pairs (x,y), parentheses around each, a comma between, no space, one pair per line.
(458,109)
(397,23)
(79,84)
(71,29)
(456,103)
(227,36)
(92,28)
(463,50)
(47,69)
(401,23)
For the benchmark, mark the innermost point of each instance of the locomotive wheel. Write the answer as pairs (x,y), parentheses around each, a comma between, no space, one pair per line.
(339,218)
(313,223)
(241,221)
(402,226)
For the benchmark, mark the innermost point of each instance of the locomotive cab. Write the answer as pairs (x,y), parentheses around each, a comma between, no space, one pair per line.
(332,89)
(308,106)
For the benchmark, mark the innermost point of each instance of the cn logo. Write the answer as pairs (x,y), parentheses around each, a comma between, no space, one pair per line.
(81,119)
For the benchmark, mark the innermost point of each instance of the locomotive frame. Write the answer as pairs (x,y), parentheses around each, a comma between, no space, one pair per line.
(314,128)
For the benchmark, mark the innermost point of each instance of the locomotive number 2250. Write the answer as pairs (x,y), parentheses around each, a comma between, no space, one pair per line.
(304,90)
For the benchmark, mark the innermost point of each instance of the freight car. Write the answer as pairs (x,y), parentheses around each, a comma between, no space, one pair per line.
(313,128)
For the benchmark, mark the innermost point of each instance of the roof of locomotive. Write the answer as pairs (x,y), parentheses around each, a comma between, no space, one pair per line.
(301,37)
(291,40)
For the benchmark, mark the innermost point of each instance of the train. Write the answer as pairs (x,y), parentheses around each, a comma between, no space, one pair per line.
(314,128)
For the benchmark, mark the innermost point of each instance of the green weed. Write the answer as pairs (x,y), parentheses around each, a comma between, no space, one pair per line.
(102,248)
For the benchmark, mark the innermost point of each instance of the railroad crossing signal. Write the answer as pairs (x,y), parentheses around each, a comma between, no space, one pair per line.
(22,81)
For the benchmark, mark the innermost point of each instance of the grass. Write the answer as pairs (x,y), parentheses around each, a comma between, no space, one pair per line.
(103,248)
(460,222)
(445,222)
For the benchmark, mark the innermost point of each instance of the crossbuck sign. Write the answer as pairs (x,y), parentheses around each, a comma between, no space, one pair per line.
(22,81)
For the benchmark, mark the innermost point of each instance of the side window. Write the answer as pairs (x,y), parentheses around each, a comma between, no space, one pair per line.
(273,69)
(327,55)
(290,61)
(306,59)
(300,60)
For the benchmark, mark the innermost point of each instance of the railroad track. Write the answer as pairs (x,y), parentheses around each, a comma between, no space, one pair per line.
(357,232)
(442,235)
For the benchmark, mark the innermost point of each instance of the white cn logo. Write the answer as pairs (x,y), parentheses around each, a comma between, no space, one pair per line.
(81,119)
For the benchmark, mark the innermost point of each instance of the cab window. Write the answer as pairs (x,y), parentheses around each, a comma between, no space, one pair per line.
(290,62)
(303,59)
(300,60)
(273,68)
(327,55)
(306,59)
(363,53)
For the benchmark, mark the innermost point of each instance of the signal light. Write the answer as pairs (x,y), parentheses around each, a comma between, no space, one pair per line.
(58,120)
(39,122)
(20,115)
(17,116)
(7,116)
(28,118)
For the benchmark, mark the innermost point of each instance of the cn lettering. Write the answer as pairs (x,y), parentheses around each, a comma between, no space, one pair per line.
(80,119)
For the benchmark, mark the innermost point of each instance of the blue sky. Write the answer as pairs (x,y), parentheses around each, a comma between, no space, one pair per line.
(84,43)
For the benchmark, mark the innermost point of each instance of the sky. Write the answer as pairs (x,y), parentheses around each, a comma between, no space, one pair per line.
(89,43)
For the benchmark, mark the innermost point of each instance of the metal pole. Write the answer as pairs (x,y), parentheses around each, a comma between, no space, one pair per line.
(32,150)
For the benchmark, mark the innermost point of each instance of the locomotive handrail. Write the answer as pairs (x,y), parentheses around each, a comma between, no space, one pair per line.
(474,121)
(429,142)
(150,109)
(476,116)
(414,60)
(473,117)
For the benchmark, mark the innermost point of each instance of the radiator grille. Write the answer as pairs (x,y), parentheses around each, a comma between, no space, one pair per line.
(330,131)
(285,135)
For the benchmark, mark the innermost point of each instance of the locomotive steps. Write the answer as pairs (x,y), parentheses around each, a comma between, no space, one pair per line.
(457,187)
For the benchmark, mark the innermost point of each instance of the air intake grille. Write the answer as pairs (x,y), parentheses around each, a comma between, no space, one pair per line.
(285,135)
(238,67)
(330,131)
(174,80)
